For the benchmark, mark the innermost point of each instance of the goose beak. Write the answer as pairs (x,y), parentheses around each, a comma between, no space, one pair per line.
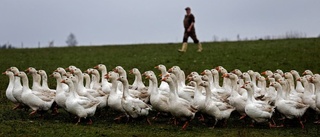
(63,81)
(226,75)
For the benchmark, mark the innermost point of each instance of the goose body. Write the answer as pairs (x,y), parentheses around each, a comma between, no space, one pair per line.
(289,108)
(10,87)
(82,107)
(29,98)
(179,107)
(257,111)
(134,107)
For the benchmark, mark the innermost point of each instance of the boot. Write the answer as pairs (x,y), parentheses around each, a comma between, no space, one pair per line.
(199,47)
(184,47)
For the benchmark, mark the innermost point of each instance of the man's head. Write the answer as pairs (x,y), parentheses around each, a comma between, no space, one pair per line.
(188,10)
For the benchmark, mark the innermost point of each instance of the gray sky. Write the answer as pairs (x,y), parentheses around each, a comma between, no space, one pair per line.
(99,22)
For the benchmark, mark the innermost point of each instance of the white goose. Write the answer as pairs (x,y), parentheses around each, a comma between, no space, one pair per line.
(186,94)
(316,81)
(134,107)
(179,107)
(226,84)
(163,85)
(299,86)
(216,109)
(139,85)
(82,91)
(95,79)
(290,109)
(87,80)
(236,100)
(82,107)
(257,111)
(45,87)
(180,77)
(158,99)
(36,79)
(36,103)
(17,88)
(105,85)
(10,86)
(115,95)
(62,90)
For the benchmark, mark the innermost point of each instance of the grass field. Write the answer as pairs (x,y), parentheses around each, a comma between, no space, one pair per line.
(298,54)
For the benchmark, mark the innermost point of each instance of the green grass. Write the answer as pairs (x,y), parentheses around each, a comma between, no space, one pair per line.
(298,54)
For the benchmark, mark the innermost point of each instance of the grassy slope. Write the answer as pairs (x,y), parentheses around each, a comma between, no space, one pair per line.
(299,54)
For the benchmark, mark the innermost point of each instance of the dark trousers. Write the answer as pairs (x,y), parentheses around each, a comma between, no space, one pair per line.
(191,34)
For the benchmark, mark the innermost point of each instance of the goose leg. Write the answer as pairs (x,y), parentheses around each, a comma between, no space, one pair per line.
(90,121)
(33,112)
(17,106)
(301,123)
(242,117)
(185,125)
(78,120)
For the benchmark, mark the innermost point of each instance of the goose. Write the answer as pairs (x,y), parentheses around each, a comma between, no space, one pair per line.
(238,72)
(215,75)
(270,95)
(218,93)
(62,90)
(87,79)
(95,79)
(17,88)
(180,77)
(215,109)
(186,94)
(307,72)
(105,85)
(257,111)
(235,99)
(289,108)
(139,85)
(254,76)
(163,85)
(308,96)
(36,79)
(267,73)
(279,71)
(132,92)
(115,96)
(82,107)
(226,84)
(158,99)
(134,107)
(62,71)
(82,91)
(262,84)
(288,93)
(45,87)
(33,101)
(199,98)
(208,73)
(289,77)
(299,86)
(179,107)
(10,86)
(316,81)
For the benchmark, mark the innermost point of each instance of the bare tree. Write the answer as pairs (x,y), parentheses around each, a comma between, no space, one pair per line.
(51,43)
(71,40)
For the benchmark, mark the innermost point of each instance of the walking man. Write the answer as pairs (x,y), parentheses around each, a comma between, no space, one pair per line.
(189,31)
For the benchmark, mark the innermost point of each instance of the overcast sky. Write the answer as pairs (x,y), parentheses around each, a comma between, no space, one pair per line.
(100,22)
